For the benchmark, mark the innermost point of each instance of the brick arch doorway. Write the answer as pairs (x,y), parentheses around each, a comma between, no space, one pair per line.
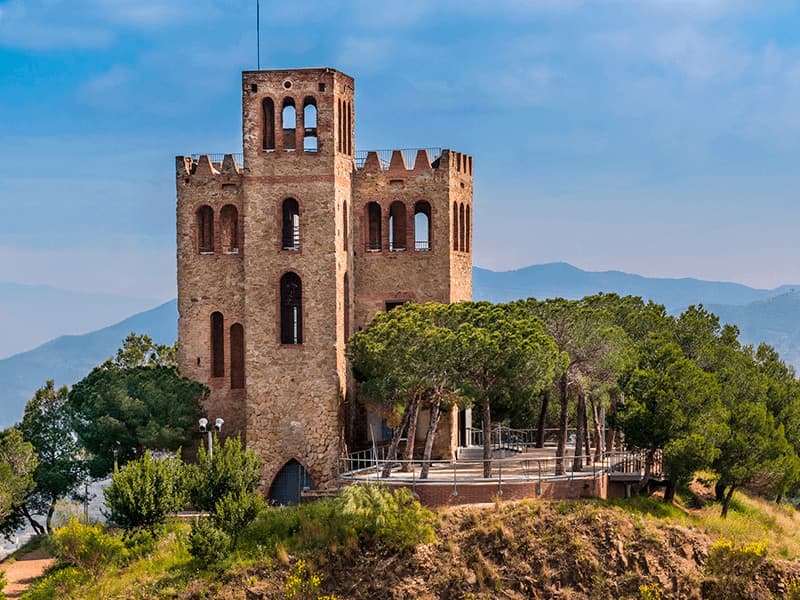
(289,483)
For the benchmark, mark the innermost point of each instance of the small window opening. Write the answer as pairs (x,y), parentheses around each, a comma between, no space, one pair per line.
(422,226)
(217,345)
(230,229)
(321,87)
(287,84)
(268,108)
(374,226)
(291,309)
(237,356)
(397,227)
(289,121)
(205,230)
(290,231)
(253,87)
(392,304)
(310,125)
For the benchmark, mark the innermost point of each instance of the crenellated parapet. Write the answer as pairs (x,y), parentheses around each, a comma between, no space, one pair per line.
(209,165)
(413,162)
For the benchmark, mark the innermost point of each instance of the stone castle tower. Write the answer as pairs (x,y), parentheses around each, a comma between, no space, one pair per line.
(285,252)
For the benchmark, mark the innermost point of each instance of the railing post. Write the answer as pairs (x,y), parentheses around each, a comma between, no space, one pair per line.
(455,484)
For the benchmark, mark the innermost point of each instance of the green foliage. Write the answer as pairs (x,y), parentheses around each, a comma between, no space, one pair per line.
(304,584)
(133,403)
(140,351)
(208,544)
(58,584)
(3,584)
(793,590)
(733,569)
(87,547)
(47,425)
(233,470)
(18,464)
(650,591)
(235,511)
(145,491)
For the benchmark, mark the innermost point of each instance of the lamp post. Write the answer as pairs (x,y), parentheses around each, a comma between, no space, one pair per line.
(203,423)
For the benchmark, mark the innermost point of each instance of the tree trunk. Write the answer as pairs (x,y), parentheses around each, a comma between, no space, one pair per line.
(719,491)
(779,498)
(411,438)
(542,420)
(588,450)
(577,462)
(669,492)
(562,425)
(487,438)
(50,512)
(726,502)
(391,456)
(429,437)
(598,433)
(37,527)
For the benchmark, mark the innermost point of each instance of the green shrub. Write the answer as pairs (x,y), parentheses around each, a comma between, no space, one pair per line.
(232,470)
(234,512)
(87,547)
(793,590)
(208,544)
(58,584)
(145,491)
(393,519)
(3,584)
(733,569)
(650,591)
(140,542)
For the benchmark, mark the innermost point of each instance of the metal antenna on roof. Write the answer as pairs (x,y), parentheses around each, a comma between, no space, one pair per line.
(258,33)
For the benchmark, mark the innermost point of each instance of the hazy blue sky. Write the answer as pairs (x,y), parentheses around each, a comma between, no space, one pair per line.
(654,136)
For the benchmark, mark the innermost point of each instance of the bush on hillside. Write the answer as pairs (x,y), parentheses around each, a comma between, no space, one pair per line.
(733,570)
(208,544)
(87,547)
(58,584)
(234,512)
(233,470)
(145,491)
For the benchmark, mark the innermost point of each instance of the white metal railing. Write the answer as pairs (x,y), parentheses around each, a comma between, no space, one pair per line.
(517,439)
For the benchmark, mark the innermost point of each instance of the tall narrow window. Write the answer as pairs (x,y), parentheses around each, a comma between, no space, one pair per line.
(397,226)
(461,227)
(309,125)
(422,226)
(289,123)
(340,127)
(268,108)
(237,356)
(346,307)
(291,309)
(345,226)
(205,229)
(230,229)
(468,247)
(350,128)
(217,345)
(290,229)
(374,226)
(455,226)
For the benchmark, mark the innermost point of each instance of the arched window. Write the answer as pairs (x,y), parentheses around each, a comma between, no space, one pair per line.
(461,227)
(468,247)
(310,125)
(230,229)
(268,108)
(346,307)
(237,356)
(340,127)
(350,129)
(205,229)
(374,226)
(291,309)
(422,226)
(455,226)
(345,226)
(217,345)
(397,226)
(289,123)
(290,230)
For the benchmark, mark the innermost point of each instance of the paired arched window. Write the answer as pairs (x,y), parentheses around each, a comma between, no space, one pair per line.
(310,142)
(217,345)
(230,229)
(422,226)
(205,229)
(237,356)
(268,108)
(290,225)
(374,226)
(289,124)
(461,227)
(291,309)
(397,226)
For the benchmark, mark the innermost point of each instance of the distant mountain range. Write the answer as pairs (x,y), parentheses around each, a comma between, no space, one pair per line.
(33,314)
(772,316)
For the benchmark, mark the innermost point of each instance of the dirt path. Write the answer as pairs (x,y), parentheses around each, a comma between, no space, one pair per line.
(24,570)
